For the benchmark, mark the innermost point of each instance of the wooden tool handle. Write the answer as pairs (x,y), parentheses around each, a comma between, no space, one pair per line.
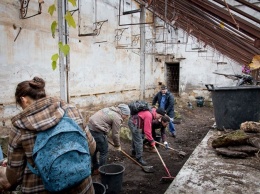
(179,152)
(163,162)
(131,158)
(126,155)
(164,146)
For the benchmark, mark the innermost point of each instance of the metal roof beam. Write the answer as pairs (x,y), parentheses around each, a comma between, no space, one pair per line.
(244,26)
(251,5)
(239,11)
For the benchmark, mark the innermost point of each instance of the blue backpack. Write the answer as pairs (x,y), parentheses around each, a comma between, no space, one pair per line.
(61,155)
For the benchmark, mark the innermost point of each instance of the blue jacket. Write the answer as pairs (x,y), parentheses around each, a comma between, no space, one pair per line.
(169,105)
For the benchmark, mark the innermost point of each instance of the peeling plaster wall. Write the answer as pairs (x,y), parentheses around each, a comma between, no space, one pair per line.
(100,73)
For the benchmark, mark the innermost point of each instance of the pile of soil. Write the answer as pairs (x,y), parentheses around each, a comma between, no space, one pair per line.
(194,125)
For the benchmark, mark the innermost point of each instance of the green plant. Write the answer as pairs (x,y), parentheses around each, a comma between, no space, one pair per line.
(64,48)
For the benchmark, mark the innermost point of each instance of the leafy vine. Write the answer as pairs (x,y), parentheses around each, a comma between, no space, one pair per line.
(64,48)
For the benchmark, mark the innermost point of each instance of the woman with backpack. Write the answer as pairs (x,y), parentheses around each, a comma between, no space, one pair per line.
(39,114)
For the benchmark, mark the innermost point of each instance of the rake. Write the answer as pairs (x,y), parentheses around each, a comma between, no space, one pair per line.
(170,177)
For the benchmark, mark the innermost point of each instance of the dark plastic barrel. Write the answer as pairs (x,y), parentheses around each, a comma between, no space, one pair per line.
(112,177)
(99,188)
(235,105)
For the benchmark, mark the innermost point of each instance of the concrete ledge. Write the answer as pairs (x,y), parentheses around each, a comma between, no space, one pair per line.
(205,172)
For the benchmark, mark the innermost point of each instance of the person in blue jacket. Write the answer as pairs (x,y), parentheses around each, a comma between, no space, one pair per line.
(165,100)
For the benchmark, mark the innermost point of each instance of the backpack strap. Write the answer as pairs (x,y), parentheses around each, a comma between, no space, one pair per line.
(34,170)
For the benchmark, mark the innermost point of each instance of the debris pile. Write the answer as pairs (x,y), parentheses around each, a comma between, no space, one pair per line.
(241,143)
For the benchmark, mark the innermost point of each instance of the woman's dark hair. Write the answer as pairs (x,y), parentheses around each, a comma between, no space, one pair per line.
(32,88)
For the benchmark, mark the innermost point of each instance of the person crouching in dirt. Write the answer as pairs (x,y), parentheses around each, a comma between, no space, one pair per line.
(140,124)
(100,124)
(158,124)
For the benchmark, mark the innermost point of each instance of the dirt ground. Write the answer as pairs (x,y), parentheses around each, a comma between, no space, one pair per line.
(192,128)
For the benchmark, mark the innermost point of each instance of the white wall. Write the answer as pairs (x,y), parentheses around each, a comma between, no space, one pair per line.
(100,74)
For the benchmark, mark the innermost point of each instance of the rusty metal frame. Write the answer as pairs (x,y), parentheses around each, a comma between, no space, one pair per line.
(98,24)
(119,33)
(128,12)
(129,24)
(24,8)
(135,39)
(118,36)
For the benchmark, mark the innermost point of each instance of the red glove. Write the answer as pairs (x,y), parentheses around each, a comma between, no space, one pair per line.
(152,143)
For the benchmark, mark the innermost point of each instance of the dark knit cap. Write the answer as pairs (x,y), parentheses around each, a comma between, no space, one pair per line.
(163,87)
(160,111)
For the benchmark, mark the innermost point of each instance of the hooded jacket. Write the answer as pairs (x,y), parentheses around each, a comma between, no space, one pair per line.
(105,120)
(39,116)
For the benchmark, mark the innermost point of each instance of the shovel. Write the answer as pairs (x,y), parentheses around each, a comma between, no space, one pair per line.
(148,169)
(170,177)
(181,153)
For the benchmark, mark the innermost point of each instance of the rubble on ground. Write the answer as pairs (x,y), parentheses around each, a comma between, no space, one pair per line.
(241,143)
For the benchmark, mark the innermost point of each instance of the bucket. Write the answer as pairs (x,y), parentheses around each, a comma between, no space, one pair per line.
(235,105)
(99,188)
(112,177)
(200,101)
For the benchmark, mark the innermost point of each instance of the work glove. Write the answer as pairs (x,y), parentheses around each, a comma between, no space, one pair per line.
(166,145)
(152,143)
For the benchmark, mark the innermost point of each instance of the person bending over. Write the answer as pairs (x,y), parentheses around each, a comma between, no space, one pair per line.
(103,121)
(141,124)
